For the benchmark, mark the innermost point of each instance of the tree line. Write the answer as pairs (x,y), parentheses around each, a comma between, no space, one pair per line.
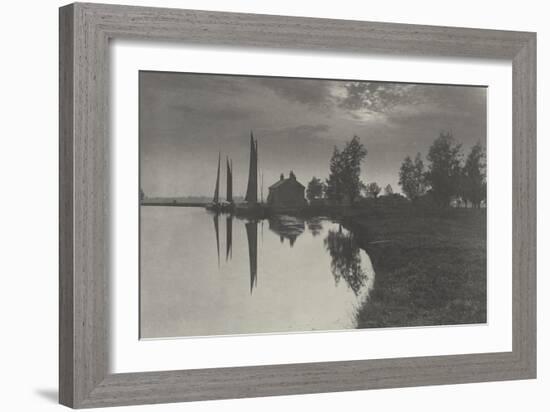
(447,177)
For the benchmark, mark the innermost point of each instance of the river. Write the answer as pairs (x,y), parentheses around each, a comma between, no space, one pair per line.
(202,274)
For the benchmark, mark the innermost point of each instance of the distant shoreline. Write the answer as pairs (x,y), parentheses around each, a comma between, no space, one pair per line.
(171,202)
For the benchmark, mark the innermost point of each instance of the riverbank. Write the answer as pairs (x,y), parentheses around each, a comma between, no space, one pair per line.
(171,202)
(430,267)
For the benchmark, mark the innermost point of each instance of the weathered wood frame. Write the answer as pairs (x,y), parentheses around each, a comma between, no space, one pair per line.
(85,31)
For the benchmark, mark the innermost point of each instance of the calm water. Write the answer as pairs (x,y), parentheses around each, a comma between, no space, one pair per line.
(207,275)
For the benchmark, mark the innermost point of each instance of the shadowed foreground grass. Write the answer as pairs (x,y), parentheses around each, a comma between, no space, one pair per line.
(430,268)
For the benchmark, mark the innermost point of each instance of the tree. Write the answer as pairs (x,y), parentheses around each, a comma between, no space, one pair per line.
(412,177)
(474,176)
(388,190)
(373,190)
(445,168)
(345,171)
(333,185)
(314,189)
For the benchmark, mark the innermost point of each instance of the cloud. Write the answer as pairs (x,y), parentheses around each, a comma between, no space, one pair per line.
(302,131)
(374,97)
(406,100)
(220,111)
(309,92)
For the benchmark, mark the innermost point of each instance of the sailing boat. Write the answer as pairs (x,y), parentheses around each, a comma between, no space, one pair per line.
(252,188)
(229,193)
(251,207)
(228,205)
(215,205)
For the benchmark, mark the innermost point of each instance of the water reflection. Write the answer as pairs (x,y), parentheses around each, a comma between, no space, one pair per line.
(188,292)
(217,230)
(287,227)
(228,237)
(346,259)
(252,237)
(315,225)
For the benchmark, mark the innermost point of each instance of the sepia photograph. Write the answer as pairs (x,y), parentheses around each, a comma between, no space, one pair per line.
(285,205)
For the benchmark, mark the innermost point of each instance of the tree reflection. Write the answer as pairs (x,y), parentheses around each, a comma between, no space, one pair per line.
(346,259)
(315,225)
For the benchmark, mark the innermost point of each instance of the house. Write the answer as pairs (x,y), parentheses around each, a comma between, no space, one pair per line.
(286,193)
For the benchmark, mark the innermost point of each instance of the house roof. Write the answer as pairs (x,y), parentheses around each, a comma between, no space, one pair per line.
(284,181)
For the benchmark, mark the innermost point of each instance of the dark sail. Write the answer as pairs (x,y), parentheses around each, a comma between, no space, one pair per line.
(229,195)
(252,237)
(261,183)
(217,189)
(256,164)
(252,188)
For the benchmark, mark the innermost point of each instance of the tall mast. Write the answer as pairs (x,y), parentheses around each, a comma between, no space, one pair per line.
(252,188)
(217,189)
(229,195)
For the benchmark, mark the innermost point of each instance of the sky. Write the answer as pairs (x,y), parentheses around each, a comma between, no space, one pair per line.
(186,119)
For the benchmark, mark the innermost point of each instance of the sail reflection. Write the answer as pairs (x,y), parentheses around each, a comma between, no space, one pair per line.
(228,237)
(297,291)
(252,237)
(217,230)
(348,262)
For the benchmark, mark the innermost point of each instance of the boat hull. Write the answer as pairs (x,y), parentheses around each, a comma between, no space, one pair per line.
(221,207)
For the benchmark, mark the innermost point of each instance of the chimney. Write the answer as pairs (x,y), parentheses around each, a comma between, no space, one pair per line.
(292,175)
(282,176)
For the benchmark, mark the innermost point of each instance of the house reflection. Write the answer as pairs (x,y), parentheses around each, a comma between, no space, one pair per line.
(287,227)
(348,261)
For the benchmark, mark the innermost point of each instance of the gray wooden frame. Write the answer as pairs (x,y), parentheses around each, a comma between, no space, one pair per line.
(85,31)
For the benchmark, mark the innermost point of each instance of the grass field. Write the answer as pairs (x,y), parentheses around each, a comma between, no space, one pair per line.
(430,267)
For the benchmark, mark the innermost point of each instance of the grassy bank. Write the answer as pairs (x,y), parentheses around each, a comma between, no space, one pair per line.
(430,267)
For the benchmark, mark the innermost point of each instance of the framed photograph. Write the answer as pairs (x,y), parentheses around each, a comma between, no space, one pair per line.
(257,205)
